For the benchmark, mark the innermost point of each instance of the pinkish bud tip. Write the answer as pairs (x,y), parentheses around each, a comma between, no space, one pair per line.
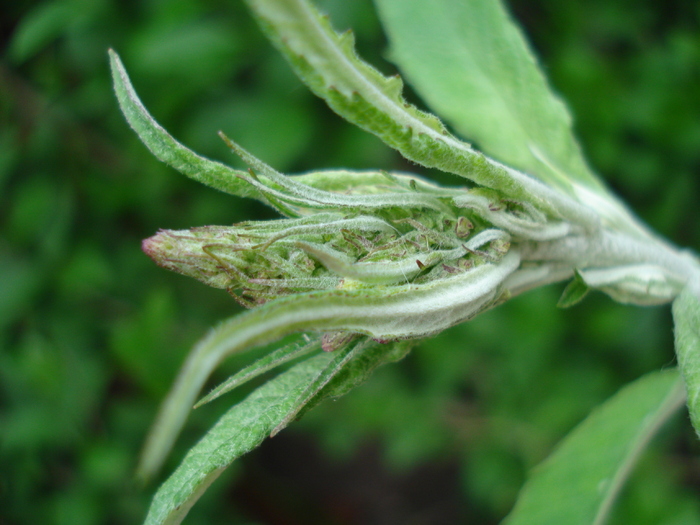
(147,245)
(156,247)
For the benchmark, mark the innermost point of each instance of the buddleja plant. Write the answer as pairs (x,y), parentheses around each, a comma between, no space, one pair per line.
(366,264)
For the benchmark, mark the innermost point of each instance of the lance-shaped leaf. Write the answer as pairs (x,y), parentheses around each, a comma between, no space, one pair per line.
(240,430)
(371,182)
(327,62)
(266,363)
(245,425)
(472,65)
(686,318)
(384,313)
(579,482)
(169,150)
(341,358)
(267,184)
(294,192)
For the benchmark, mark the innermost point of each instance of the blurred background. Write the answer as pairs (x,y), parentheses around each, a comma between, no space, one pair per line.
(92,332)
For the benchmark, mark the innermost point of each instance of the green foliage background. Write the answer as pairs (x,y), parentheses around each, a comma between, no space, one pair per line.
(92,332)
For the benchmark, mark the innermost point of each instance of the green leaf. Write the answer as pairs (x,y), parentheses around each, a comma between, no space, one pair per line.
(292,191)
(265,412)
(579,482)
(341,358)
(240,430)
(264,184)
(686,317)
(472,65)
(359,369)
(264,364)
(169,150)
(574,292)
(326,61)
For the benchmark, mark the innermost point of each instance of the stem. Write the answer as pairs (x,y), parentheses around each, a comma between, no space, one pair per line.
(524,279)
(609,249)
(554,261)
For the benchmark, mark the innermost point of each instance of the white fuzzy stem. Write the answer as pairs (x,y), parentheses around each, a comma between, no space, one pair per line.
(557,260)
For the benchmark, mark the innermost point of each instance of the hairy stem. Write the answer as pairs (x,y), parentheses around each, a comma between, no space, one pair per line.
(608,248)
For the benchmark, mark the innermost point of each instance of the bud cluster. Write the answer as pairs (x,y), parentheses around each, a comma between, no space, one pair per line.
(374,242)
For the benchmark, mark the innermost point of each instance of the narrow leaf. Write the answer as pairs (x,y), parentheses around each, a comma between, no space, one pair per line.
(169,150)
(264,364)
(579,482)
(686,317)
(341,358)
(240,183)
(263,413)
(363,182)
(360,367)
(471,63)
(240,430)
(294,192)
(328,64)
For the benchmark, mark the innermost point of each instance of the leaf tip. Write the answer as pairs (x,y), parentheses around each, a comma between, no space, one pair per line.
(574,293)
